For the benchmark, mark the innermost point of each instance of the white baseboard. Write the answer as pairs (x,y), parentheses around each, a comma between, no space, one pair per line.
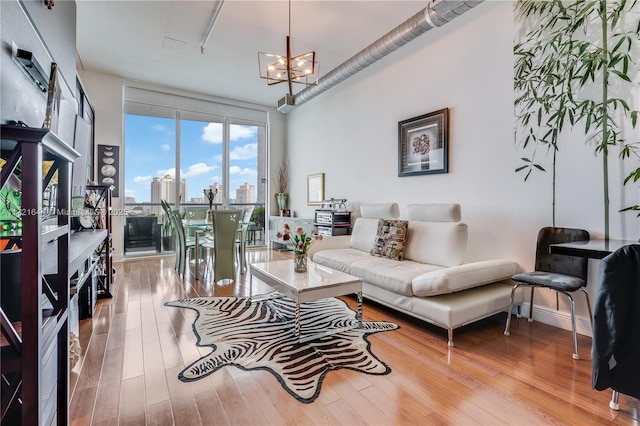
(558,319)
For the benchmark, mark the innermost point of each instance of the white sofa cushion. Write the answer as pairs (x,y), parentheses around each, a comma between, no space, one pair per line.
(437,243)
(340,259)
(394,275)
(380,210)
(363,234)
(462,277)
(434,212)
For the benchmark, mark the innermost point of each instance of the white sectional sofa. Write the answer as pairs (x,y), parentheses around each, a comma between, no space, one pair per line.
(431,283)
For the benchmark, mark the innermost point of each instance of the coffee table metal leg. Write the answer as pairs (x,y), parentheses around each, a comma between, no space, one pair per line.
(359,314)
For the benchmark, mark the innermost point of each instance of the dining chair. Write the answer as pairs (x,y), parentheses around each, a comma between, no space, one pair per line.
(225,230)
(561,273)
(184,244)
(196,213)
(204,245)
(178,243)
(241,239)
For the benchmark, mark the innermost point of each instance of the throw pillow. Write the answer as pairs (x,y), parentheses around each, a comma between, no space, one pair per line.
(390,239)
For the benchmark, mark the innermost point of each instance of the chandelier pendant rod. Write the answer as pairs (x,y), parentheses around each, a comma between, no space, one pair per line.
(289,66)
(289,54)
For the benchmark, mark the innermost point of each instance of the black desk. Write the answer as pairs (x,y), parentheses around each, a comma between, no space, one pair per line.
(593,249)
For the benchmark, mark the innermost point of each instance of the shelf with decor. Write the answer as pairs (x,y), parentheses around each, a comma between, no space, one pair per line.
(99,198)
(35,296)
(330,222)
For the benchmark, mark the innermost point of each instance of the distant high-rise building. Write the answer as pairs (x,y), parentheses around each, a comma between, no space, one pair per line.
(164,189)
(245,194)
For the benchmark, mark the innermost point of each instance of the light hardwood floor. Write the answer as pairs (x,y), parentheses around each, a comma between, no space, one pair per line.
(134,348)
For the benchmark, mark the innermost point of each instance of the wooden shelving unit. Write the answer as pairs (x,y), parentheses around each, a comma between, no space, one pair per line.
(34,363)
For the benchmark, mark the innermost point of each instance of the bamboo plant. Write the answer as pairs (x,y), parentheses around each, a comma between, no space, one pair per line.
(570,48)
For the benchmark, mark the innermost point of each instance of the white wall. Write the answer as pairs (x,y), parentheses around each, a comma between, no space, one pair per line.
(105,93)
(351,134)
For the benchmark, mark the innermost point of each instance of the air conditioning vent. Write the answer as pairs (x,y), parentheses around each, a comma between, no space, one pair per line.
(286,104)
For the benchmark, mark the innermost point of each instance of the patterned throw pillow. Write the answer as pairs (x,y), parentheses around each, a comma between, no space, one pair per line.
(390,239)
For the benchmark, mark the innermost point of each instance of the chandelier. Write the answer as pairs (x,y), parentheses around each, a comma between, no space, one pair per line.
(289,69)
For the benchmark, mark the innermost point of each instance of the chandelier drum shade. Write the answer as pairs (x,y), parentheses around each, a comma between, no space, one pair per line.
(277,68)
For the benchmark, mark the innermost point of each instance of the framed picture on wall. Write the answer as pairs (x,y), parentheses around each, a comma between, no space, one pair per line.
(423,144)
(315,189)
(108,167)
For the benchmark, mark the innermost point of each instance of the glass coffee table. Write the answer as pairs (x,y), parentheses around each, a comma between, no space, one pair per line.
(319,282)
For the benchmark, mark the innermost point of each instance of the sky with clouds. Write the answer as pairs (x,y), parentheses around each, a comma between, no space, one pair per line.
(150,151)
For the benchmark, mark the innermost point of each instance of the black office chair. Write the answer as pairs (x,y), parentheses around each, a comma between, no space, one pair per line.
(562,273)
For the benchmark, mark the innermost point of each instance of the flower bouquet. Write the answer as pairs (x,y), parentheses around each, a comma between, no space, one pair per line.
(299,241)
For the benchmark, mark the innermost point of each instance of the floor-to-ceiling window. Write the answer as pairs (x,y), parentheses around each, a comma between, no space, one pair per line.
(180,156)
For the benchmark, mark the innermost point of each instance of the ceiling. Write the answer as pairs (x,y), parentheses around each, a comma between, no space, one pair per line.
(160,41)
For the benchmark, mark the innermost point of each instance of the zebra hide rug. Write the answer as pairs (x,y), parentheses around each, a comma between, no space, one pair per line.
(261,336)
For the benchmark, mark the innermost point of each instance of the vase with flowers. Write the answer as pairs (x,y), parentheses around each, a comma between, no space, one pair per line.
(299,241)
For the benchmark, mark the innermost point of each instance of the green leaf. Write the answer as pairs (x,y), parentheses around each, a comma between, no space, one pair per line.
(621,75)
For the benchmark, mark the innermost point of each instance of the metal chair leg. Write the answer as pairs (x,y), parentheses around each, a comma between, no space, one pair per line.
(586,295)
(572,303)
(531,306)
(506,328)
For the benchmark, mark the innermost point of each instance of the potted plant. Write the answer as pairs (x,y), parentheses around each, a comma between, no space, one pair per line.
(282,185)
(570,49)
(168,240)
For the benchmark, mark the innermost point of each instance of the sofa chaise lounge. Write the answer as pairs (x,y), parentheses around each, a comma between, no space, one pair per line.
(431,282)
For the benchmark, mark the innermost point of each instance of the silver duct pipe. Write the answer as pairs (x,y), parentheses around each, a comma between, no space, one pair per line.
(436,14)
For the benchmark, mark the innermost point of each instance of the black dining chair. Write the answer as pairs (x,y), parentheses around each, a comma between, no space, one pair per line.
(562,273)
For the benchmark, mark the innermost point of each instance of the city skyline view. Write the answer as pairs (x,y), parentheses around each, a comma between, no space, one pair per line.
(150,152)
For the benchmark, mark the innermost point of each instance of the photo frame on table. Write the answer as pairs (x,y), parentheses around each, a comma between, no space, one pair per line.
(108,167)
(423,144)
(315,189)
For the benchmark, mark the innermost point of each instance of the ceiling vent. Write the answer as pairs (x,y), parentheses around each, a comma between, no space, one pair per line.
(286,104)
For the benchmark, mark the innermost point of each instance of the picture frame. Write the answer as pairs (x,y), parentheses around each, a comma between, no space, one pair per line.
(108,167)
(423,144)
(315,189)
